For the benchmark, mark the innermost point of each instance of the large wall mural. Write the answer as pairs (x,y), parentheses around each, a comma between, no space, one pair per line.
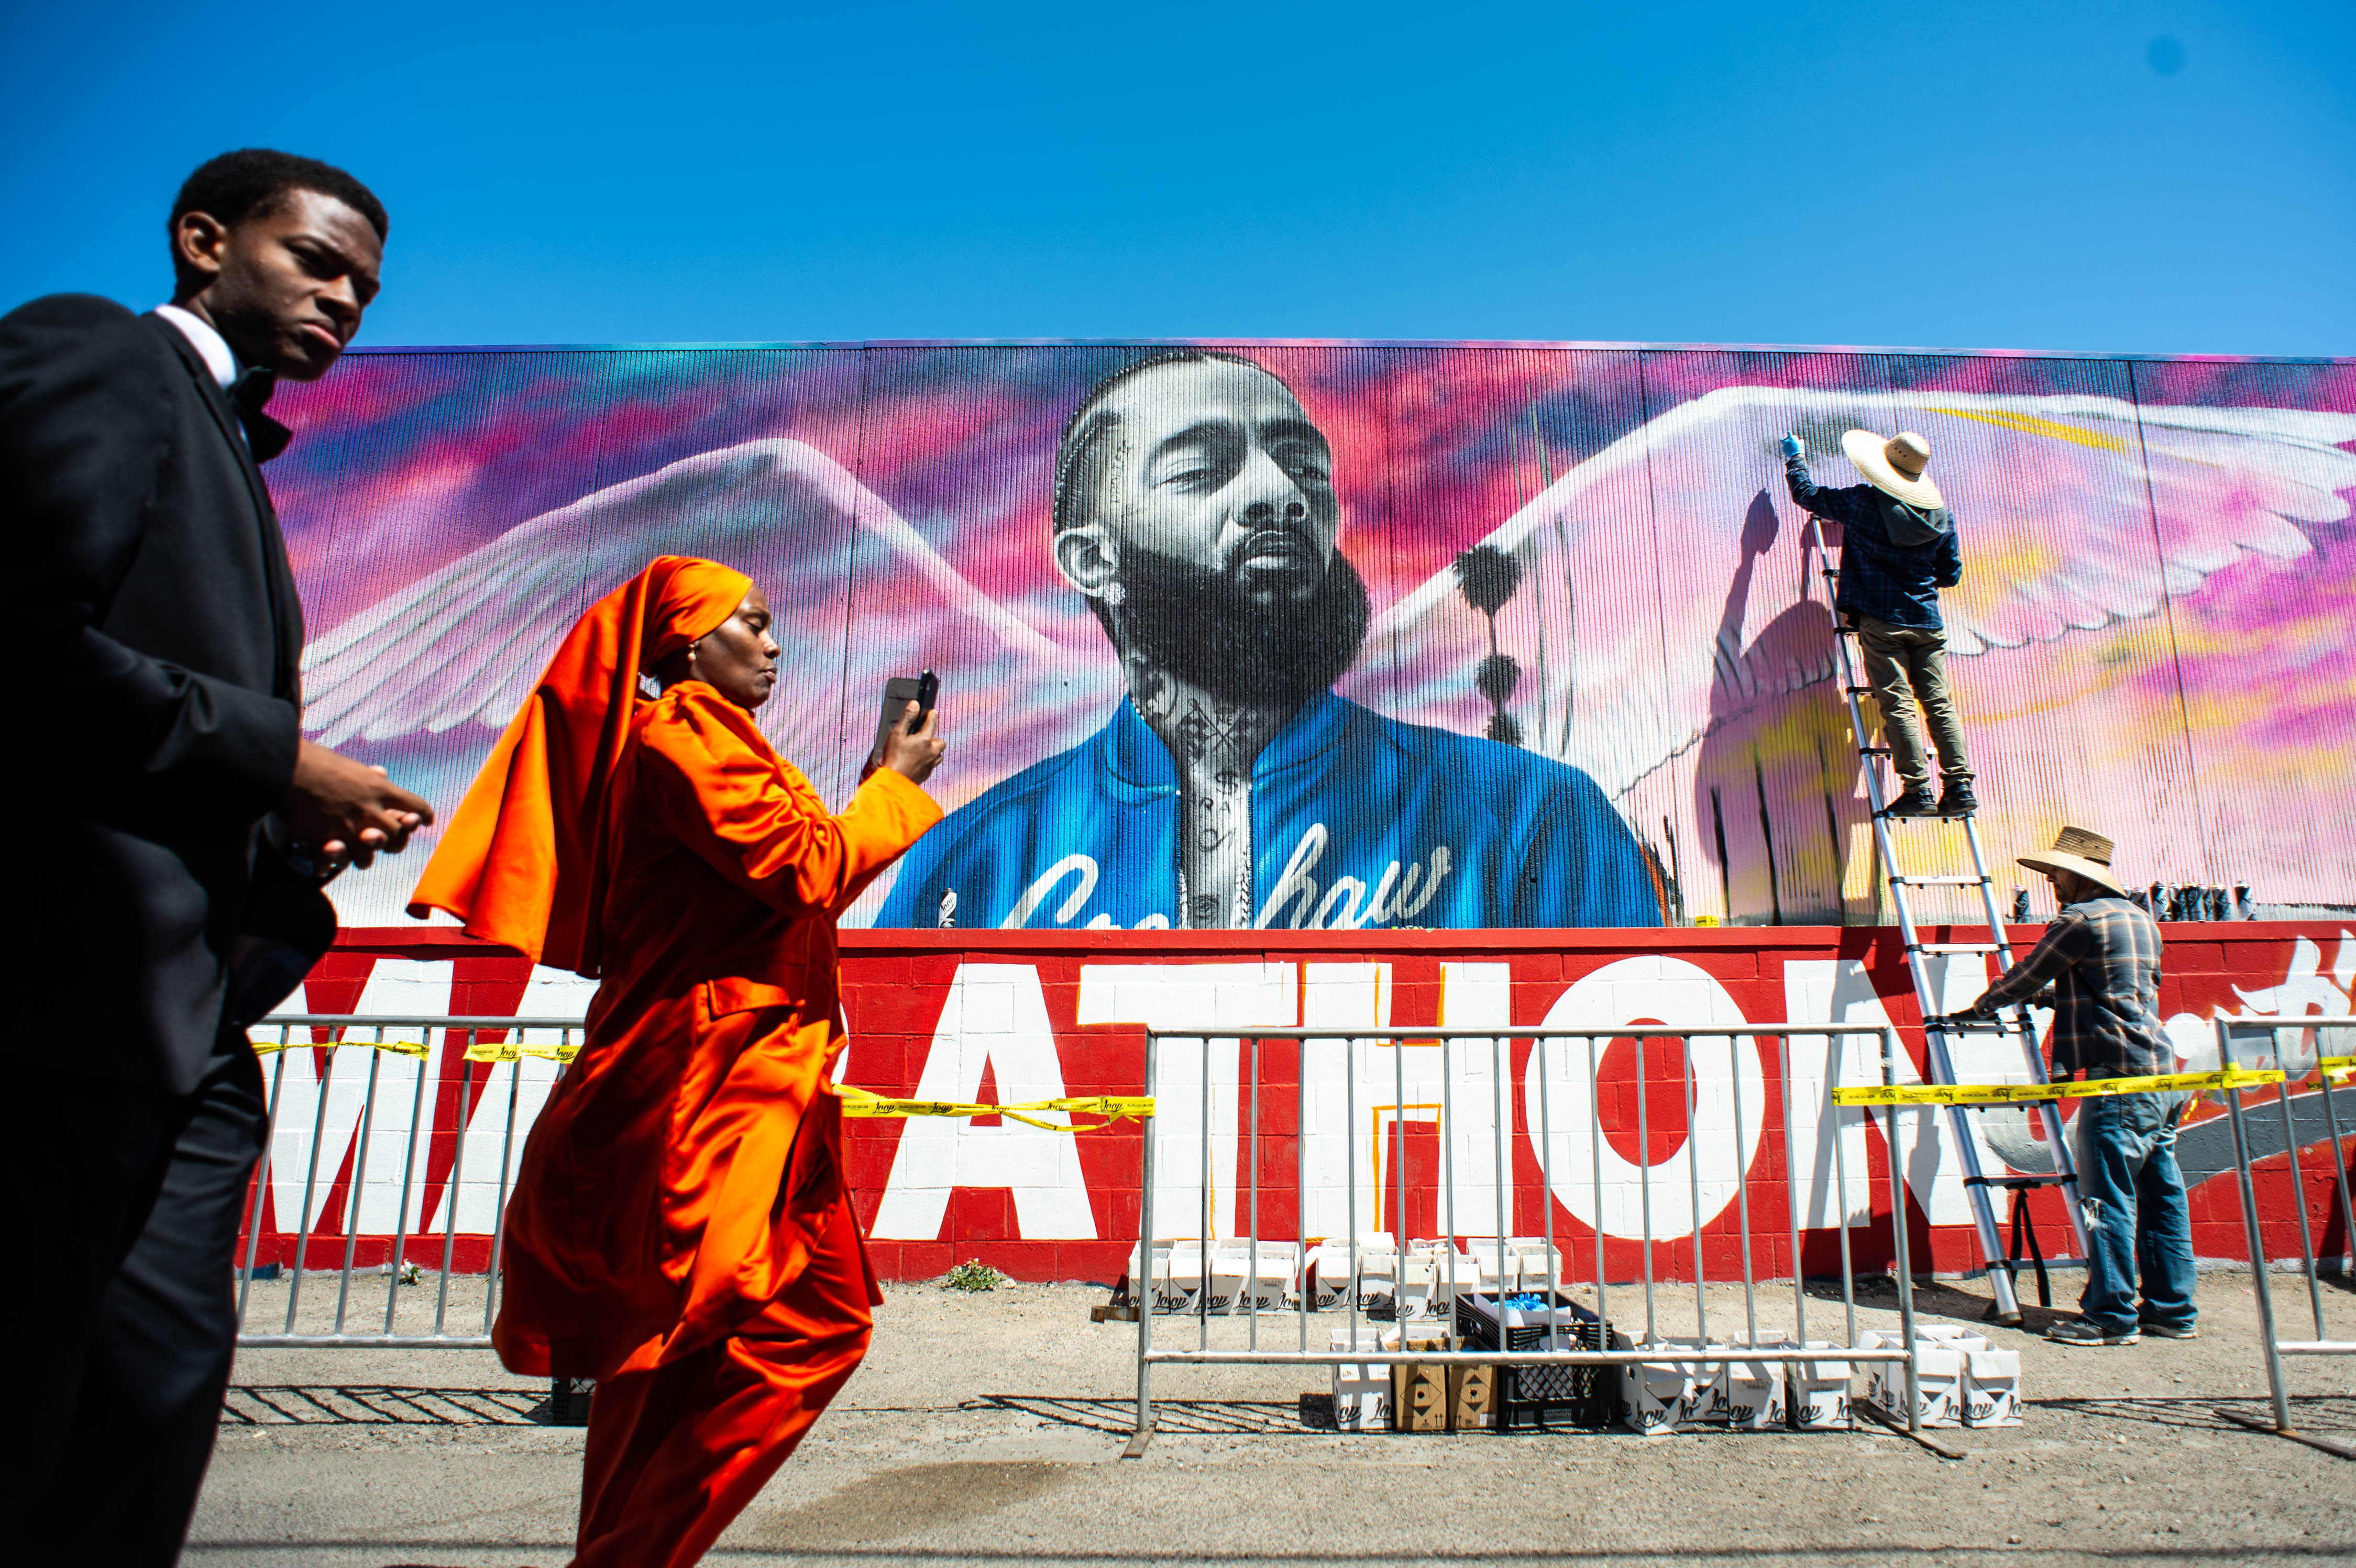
(1363,637)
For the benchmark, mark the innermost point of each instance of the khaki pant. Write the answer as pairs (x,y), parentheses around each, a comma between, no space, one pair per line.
(1903,665)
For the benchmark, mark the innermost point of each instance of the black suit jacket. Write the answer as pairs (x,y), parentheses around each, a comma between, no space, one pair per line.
(157,641)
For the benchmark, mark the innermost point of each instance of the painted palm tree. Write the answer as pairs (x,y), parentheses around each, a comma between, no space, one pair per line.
(1487,577)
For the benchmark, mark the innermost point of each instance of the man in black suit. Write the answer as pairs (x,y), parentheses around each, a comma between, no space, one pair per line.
(175,831)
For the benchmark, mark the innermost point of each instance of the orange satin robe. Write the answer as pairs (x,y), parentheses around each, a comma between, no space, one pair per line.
(679,1229)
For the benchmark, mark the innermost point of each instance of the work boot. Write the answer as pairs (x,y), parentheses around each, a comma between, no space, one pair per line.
(1957,799)
(1915,802)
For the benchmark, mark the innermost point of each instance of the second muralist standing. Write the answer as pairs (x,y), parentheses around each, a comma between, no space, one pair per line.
(1898,549)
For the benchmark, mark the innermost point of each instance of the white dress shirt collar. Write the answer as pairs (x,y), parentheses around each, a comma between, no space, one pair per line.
(211,345)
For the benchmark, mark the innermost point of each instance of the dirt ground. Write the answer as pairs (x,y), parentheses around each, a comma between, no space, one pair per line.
(989,1427)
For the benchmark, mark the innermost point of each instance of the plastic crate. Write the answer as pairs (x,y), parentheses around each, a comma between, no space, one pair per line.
(568,1402)
(1540,1397)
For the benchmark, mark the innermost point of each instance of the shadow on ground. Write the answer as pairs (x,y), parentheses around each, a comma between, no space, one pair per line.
(2309,1412)
(367,1405)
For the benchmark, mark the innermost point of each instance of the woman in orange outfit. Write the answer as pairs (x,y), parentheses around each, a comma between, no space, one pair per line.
(680,1230)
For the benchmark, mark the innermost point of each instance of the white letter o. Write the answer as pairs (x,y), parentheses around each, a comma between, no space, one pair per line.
(1577,1163)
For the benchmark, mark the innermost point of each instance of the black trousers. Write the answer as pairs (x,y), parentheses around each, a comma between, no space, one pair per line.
(123,1206)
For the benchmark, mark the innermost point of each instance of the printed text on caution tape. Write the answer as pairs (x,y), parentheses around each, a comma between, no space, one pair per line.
(2006,1094)
(1113,1107)
(477,1048)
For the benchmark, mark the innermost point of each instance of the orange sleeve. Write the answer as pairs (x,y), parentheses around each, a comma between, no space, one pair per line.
(715,781)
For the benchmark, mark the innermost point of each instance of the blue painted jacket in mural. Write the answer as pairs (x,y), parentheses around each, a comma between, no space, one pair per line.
(1894,557)
(1358,822)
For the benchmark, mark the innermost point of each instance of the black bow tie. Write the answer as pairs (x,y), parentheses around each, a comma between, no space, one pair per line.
(249,394)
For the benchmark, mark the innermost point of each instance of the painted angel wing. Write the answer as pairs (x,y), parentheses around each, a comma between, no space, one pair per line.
(1662,585)
(467,644)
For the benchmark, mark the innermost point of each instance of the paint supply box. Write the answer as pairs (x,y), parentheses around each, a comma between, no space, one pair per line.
(1420,1391)
(1991,1388)
(1658,1397)
(1747,1396)
(1816,1393)
(1940,1351)
(1362,1389)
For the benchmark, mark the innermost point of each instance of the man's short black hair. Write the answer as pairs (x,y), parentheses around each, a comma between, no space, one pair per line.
(253,180)
(1079,449)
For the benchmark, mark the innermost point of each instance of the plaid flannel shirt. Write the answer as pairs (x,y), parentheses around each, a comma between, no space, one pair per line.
(2098,969)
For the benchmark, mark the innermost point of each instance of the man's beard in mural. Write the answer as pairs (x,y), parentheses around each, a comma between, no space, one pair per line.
(1199,623)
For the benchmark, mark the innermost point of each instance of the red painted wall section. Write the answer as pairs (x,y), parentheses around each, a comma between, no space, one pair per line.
(1017,1016)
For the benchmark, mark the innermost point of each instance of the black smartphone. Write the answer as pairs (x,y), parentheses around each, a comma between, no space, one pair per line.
(898,692)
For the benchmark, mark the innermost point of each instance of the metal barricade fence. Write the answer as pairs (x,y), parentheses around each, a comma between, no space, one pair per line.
(2335,1029)
(486,1046)
(1540,1129)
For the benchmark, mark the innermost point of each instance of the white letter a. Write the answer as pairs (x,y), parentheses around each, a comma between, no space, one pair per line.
(995,1014)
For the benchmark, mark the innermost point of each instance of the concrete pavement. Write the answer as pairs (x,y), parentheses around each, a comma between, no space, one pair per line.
(988,1428)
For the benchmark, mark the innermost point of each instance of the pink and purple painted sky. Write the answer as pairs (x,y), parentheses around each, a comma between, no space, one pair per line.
(2167,597)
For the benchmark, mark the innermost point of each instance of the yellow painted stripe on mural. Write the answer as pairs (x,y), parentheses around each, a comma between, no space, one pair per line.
(2336,1066)
(2030,424)
(858,1102)
(2008,1094)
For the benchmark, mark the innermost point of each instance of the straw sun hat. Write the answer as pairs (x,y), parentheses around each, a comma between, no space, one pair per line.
(1895,466)
(2076,849)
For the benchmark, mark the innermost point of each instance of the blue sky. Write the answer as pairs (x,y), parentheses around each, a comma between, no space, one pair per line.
(2177,178)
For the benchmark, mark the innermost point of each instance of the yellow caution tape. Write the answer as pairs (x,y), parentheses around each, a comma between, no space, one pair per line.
(2008,1094)
(416,1048)
(477,1048)
(2336,1066)
(480,1050)
(1113,1107)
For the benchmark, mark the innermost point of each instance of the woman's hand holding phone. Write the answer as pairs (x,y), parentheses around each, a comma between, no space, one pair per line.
(913,749)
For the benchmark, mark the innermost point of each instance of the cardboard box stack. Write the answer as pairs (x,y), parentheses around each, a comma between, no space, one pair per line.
(1965,1381)
(1329,1277)
(1746,1395)
(1754,1393)
(1771,1385)
(1419,1401)
(1523,1267)
(1378,1272)
(1817,1392)
(1325,1277)
(1176,1277)
(1362,1389)
(1992,1388)
(1474,1397)
(1658,1397)
(1265,1280)
(1223,1269)
(1156,1286)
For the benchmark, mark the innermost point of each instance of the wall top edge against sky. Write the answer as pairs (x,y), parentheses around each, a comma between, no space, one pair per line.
(1501,344)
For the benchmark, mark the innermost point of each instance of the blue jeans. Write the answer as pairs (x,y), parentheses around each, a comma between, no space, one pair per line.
(2131,1197)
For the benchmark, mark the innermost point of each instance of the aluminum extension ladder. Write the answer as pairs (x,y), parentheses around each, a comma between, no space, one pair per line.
(1940,1034)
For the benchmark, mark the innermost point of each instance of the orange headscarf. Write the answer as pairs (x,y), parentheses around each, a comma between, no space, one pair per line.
(523,862)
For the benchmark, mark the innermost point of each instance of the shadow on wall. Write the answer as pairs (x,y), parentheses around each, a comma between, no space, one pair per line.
(1778,798)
